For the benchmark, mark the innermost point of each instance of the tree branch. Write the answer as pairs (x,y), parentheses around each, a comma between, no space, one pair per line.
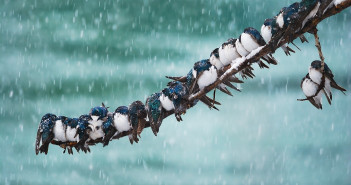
(282,37)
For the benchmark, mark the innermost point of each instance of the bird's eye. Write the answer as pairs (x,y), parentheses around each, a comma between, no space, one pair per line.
(97,127)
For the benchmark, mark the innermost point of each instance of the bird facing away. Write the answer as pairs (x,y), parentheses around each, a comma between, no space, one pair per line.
(45,133)
(137,116)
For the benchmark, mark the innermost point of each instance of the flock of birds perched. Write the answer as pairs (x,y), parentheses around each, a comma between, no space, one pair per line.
(102,125)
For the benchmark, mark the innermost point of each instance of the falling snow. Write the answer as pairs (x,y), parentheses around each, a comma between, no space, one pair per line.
(65,57)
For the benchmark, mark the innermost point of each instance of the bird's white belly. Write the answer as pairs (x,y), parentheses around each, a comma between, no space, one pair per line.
(266,33)
(98,131)
(315,75)
(121,122)
(166,103)
(227,54)
(327,83)
(240,48)
(309,88)
(280,20)
(248,42)
(327,87)
(59,131)
(70,133)
(311,14)
(207,78)
(216,62)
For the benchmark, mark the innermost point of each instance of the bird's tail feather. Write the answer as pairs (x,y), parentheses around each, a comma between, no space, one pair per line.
(303,38)
(338,87)
(287,50)
(326,95)
(225,90)
(37,142)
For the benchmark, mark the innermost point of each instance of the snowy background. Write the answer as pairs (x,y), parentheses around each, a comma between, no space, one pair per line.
(65,57)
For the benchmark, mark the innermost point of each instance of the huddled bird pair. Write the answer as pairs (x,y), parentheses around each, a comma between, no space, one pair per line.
(99,124)
(314,86)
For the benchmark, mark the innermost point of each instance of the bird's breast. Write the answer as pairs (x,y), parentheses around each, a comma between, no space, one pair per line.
(266,33)
(121,122)
(248,42)
(70,133)
(280,20)
(309,88)
(59,131)
(315,75)
(241,50)
(207,78)
(166,103)
(216,62)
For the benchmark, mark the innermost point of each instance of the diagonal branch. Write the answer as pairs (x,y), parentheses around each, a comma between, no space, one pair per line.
(325,10)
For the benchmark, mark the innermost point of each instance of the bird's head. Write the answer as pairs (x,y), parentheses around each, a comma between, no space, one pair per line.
(48,116)
(254,33)
(122,110)
(202,65)
(98,113)
(84,127)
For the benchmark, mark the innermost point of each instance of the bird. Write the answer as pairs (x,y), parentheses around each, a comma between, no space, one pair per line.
(45,133)
(109,129)
(310,89)
(200,76)
(289,18)
(310,7)
(155,112)
(203,74)
(251,39)
(214,59)
(268,30)
(137,116)
(84,129)
(228,52)
(70,132)
(177,94)
(316,74)
(98,116)
(121,123)
(288,15)
(240,48)
(60,129)
(166,99)
(121,120)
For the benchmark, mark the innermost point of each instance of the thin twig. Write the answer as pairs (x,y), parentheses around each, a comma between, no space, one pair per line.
(319,48)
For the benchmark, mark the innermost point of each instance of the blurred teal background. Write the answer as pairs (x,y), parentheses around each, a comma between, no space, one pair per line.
(65,57)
